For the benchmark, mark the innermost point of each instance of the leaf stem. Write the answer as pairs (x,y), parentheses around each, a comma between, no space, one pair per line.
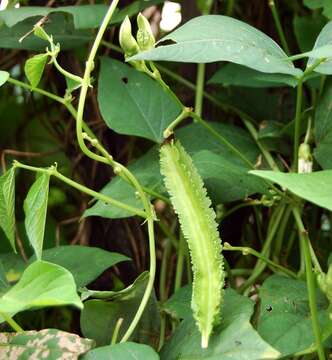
(116,331)
(199,89)
(280,31)
(260,265)
(87,76)
(247,250)
(185,113)
(222,139)
(304,238)
(298,111)
(297,130)
(52,171)
(10,321)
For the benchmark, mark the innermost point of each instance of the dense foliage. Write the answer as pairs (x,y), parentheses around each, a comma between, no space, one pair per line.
(166,194)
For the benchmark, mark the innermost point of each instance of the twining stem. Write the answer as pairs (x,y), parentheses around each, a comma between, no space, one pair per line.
(121,170)
(180,262)
(54,172)
(280,31)
(304,238)
(10,321)
(298,111)
(222,139)
(87,76)
(116,331)
(199,89)
(163,270)
(260,265)
(185,113)
(247,250)
(297,130)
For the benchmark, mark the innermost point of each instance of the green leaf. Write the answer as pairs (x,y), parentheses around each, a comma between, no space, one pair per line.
(42,285)
(224,179)
(34,68)
(213,38)
(75,258)
(323,128)
(4,75)
(315,187)
(48,344)
(234,338)
(306,29)
(99,317)
(238,75)
(7,205)
(322,49)
(146,108)
(123,351)
(35,208)
(178,305)
(285,320)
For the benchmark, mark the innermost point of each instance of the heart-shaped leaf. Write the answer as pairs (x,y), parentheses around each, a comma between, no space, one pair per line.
(213,38)
(34,68)
(42,284)
(132,103)
(35,208)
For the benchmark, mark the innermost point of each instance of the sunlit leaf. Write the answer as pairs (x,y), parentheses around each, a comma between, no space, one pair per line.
(35,208)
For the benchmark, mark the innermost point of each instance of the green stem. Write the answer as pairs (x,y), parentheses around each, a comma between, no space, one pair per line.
(87,76)
(260,265)
(247,250)
(10,321)
(223,140)
(185,113)
(280,31)
(281,232)
(168,233)
(162,333)
(230,7)
(199,89)
(247,121)
(298,111)
(163,270)
(179,264)
(52,171)
(297,130)
(36,90)
(304,238)
(65,72)
(240,206)
(116,331)
(149,286)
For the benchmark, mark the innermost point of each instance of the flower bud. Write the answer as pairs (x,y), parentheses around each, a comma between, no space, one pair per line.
(145,37)
(126,39)
(305,159)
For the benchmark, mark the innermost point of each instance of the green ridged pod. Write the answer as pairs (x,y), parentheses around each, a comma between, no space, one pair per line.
(197,220)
